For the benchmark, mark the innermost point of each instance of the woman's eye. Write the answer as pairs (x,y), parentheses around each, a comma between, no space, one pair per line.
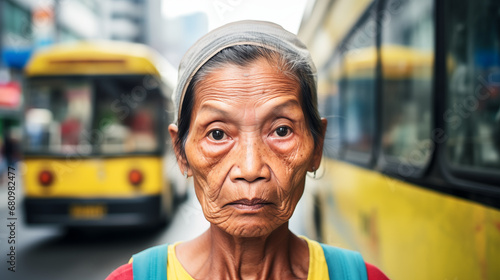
(217,135)
(283,131)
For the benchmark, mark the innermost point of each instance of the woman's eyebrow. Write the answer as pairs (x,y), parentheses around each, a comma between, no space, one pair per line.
(285,109)
(208,108)
(286,105)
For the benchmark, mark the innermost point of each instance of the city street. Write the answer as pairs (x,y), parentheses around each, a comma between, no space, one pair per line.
(46,253)
(388,111)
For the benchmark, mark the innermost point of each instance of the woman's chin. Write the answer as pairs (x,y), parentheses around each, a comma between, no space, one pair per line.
(248,227)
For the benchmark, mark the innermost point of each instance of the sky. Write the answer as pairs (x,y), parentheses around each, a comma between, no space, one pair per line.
(287,13)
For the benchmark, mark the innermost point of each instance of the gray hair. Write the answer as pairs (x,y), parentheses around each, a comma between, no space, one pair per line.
(247,32)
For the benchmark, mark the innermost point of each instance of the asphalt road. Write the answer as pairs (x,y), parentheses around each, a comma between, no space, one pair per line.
(49,253)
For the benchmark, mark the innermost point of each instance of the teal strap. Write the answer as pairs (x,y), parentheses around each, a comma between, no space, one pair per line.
(151,264)
(344,264)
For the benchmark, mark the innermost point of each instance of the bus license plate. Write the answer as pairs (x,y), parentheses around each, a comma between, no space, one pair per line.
(77,211)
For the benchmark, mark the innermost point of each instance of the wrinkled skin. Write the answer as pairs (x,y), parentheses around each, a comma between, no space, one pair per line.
(248,140)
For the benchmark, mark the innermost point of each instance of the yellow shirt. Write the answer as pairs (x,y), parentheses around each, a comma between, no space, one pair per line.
(317,263)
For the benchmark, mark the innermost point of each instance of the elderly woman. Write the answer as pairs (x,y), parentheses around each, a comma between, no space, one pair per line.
(248,131)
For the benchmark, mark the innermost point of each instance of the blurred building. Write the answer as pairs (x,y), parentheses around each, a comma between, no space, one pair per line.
(77,19)
(124,20)
(28,25)
(174,36)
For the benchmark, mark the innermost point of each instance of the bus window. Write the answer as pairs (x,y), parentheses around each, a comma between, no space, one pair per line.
(126,116)
(407,47)
(58,113)
(472,114)
(357,93)
(328,88)
(101,116)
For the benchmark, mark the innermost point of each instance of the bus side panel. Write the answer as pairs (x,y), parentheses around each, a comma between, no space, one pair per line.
(492,245)
(409,232)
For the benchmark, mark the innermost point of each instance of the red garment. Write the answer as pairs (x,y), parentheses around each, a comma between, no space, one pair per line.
(124,272)
(374,273)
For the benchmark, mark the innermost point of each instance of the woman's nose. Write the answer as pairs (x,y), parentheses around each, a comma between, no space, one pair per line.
(251,161)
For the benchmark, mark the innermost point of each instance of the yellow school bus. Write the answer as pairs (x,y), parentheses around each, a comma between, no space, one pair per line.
(96,149)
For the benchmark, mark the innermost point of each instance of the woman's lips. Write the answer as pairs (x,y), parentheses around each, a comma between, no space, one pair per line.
(246,204)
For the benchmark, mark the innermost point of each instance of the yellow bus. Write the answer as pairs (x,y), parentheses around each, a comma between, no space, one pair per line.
(411,170)
(96,149)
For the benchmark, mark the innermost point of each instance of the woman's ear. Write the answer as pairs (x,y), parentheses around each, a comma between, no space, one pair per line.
(318,149)
(181,160)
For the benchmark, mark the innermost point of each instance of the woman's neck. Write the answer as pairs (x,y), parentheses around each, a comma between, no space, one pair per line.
(218,255)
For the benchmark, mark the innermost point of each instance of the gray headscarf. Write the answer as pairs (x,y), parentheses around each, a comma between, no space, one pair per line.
(248,32)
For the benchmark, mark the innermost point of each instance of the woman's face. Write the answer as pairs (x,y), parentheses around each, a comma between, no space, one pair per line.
(248,148)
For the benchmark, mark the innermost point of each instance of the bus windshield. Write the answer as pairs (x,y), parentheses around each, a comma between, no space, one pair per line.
(93,116)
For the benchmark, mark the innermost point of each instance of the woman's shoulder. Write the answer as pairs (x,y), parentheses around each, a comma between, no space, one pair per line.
(123,272)
(374,273)
(322,250)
